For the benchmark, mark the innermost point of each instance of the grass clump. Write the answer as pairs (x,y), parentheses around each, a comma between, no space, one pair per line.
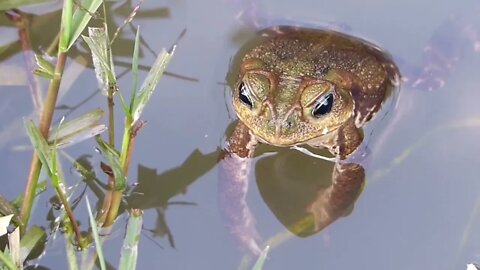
(48,143)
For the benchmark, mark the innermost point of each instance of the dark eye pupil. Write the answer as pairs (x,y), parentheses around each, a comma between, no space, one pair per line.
(244,95)
(323,106)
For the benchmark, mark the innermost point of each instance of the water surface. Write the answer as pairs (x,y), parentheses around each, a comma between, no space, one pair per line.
(419,208)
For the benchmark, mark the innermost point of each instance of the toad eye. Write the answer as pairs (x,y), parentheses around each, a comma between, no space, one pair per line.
(244,95)
(323,105)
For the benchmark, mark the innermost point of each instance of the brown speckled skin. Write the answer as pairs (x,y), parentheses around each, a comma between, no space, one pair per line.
(286,71)
(291,66)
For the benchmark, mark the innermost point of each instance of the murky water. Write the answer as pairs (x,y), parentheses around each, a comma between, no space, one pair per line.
(419,208)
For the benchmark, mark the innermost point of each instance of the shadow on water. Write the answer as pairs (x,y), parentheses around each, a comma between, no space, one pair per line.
(155,191)
(298,189)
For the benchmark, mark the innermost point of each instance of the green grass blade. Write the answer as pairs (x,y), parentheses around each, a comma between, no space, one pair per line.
(44,64)
(81,17)
(7,261)
(41,147)
(114,159)
(261,259)
(45,68)
(46,154)
(102,58)
(78,129)
(71,252)
(55,174)
(150,83)
(42,73)
(136,52)
(128,257)
(10,4)
(30,240)
(66,29)
(96,237)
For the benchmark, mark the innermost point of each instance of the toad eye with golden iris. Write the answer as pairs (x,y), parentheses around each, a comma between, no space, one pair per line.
(244,95)
(323,105)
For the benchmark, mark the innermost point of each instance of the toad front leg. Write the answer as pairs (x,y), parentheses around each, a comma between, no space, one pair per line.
(234,169)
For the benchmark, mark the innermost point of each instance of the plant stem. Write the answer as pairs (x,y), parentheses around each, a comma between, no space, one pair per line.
(127,148)
(107,202)
(44,127)
(71,217)
(111,119)
(20,20)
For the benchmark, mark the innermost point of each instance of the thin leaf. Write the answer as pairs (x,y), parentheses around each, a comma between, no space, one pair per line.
(136,52)
(66,29)
(128,257)
(96,237)
(34,236)
(71,251)
(41,147)
(114,160)
(45,68)
(11,4)
(46,154)
(261,259)
(150,83)
(7,261)
(44,64)
(102,58)
(42,73)
(55,177)
(81,17)
(78,129)
(4,223)
(81,136)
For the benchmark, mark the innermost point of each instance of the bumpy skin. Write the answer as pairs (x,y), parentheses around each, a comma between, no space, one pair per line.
(282,78)
(292,67)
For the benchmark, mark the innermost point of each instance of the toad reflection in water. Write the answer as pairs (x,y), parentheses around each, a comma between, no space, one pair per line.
(297,86)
